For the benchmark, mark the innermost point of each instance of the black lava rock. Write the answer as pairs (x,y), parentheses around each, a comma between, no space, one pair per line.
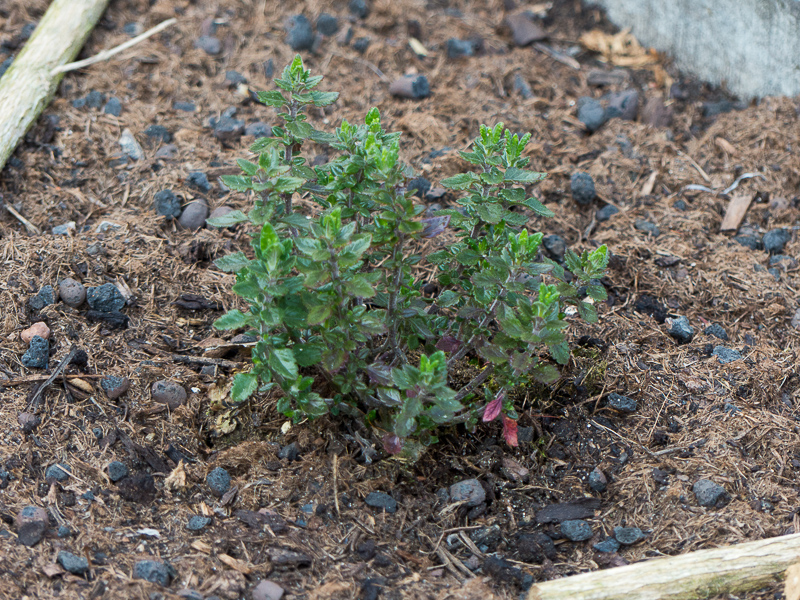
(58,472)
(105,298)
(710,494)
(290,452)
(627,536)
(45,297)
(113,107)
(522,87)
(37,354)
(327,24)
(219,481)
(117,470)
(487,538)
(608,545)
(154,572)
(114,386)
(749,241)
(234,78)
(299,34)
(228,129)
(382,501)
(726,355)
(576,530)
(605,213)
(361,44)
(775,240)
(77,565)
(582,187)
(624,105)
(158,133)
(622,403)
(167,204)
(597,479)
(591,113)
(420,186)
(681,330)
(456,48)
(258,129)
(717,331)
(198,523)
(535,547)
(359,8)
(184,106)
(199,180)
(647,227)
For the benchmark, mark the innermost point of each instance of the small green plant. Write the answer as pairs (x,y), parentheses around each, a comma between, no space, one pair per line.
(335,306)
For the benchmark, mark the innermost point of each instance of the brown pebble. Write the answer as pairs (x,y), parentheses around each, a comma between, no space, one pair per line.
(28,421)
(655,113)
(168,392)
(31,523)
(523,30)
(39,328)
(410,86)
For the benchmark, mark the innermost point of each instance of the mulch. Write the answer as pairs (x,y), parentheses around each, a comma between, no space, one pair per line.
(735,423)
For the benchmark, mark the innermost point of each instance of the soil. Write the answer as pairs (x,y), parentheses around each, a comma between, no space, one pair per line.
(696,418)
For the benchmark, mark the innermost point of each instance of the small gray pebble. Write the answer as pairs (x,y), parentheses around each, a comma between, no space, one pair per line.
(28,421)
(64,229)
(113,107)
(77,565)
(576,530)
(130,146)
(199,180)
(726,355)
(627,536)
(105,298)
(167,204)
(327,24)
(234,78)
(555,246)
(775,240)
(749,241)
(194,215)
(469,491)
(168,392)
(624,105)
(647,227)
(591,113)
(522,87)
(158,133)
(198,523)
(605,213)
(710,494)
(717,331)
(597,480)
(456,48)
(227,129)
(361,44)
(622,403)
(381,500)
(582,187)
(681,330)
(64,531)
(37,354)
(608,545)
(209,44)
(116,471)
(154,572)
(290,452)
(184,106)
(219,481)
(258,129)
(71,292)
(299,34)
(58,472)
(45,297)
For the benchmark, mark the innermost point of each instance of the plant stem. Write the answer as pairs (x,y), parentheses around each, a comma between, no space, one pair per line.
(476,381)
(391,309)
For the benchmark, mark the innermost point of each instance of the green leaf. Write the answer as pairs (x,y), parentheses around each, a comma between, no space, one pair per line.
(545,373)
(560,352)
(247,289)
(539,208)
(522,176)
(468,257)
(232,263)
(358,286)
(493,353)
(238,183)
(318,314)
(233,319)
(227,220)
(248,167)
(359,245)
(269,239)
(406,420)
(288,185)
(282,362)
(272,98)
(244,386)
(587,312)
(324,98)
(490,212)
(597,292)
(307,355)
(307,245)
(461,181)
(448,298)
(300,129)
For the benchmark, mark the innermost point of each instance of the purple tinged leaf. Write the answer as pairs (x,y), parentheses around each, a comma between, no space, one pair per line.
(510,431)
(448,344)
(392,443)
(380,374)
(494,407)
(435,226)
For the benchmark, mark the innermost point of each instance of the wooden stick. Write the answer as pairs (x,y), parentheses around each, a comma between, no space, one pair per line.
(29,84)
(107,54)
(700,574)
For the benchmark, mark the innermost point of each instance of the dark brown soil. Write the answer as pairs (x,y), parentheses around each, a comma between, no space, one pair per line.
(735,424)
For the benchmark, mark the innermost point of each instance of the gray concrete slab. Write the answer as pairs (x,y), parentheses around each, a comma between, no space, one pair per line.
(750,46)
